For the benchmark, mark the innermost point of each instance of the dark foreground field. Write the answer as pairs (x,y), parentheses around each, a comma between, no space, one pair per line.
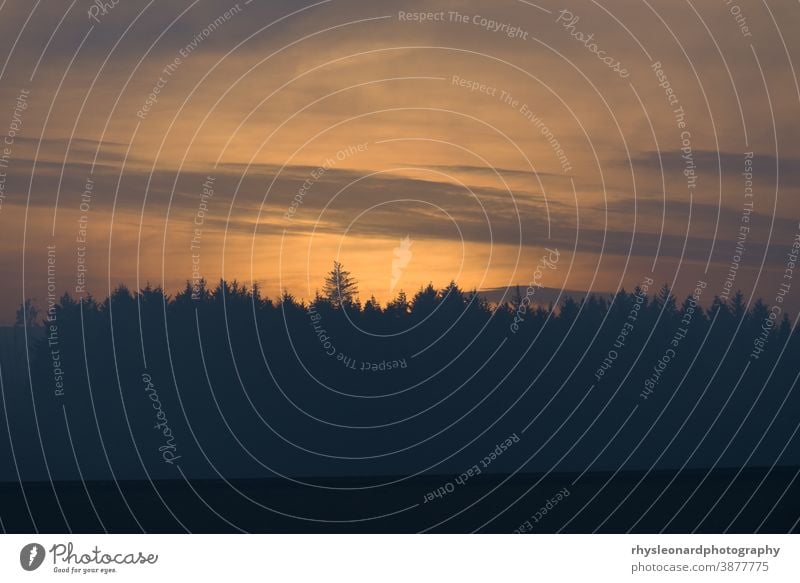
(595,503)
(225,402)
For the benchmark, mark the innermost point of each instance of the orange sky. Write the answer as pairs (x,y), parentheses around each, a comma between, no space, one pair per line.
(447,132)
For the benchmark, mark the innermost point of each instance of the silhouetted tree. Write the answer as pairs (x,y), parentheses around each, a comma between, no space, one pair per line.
(424,301)
(569,310)
(27,315)
(399,306)
(664,302)
(341,288)
(372,306)
(737,306)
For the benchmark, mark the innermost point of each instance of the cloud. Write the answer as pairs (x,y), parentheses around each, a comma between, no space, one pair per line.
(273,110)
(765,167)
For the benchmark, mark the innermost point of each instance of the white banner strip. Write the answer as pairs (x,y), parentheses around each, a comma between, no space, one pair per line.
(399,558)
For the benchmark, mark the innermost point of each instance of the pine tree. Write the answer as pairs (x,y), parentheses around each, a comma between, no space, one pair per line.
(26,318)
(516,299)
(372,307)
(341,288)
(664,301)
(737,305)
(569,310)
(398,307)
(425,301)
(26,315)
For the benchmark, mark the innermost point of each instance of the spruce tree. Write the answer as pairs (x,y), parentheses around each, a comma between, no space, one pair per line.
(341,288)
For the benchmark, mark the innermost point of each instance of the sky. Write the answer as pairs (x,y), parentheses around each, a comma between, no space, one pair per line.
(263,141)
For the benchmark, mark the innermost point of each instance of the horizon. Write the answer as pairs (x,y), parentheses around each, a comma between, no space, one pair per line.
(538,296)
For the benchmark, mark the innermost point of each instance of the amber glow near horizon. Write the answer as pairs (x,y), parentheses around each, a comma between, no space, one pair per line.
(262,153)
